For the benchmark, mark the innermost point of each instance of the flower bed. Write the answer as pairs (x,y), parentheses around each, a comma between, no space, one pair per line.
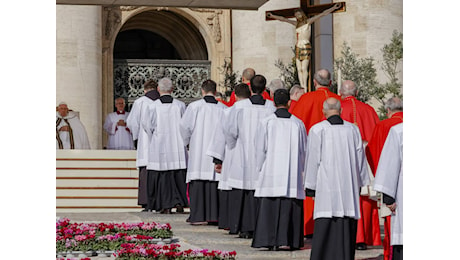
(153,251)
(126,241)
(74,239)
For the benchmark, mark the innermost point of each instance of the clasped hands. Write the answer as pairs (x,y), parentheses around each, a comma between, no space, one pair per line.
(218,168)
(121,122)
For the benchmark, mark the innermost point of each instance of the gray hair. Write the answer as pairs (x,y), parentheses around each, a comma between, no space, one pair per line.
(63,103)
(294,89)
(394,104)
(348,88)
(275,85)
(323,77)
(165,85)
(331,104)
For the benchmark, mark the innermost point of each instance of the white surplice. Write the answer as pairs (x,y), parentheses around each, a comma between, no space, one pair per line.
(197,126)
(80,136)
(161,122)
(134,124)
(335,168)
(119,137)
(389,178)
(219,149)
(281,146)
(241,134)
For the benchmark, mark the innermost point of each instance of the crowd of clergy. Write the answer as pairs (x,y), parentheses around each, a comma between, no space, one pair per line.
(270,165)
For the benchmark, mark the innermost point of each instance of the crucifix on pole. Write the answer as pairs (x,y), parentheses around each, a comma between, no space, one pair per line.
(305,16)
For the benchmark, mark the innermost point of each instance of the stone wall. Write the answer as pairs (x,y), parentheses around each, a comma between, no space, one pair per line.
(84,46)
(258,43)
(366,26)
(78,65)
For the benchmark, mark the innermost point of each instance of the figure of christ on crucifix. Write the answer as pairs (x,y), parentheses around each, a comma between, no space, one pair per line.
(303,34)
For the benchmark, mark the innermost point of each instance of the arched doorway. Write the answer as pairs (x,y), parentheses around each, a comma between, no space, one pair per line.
(155,44)
(143,44)
(202,35)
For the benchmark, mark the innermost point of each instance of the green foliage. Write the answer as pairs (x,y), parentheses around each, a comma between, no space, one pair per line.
(231,78)
(392,56)
(288,72)
(359,70)
(363,73)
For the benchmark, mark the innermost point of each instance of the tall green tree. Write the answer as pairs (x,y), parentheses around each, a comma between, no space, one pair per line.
(360,70)
(363,72)
(231,78)
(392,57)
(288,72)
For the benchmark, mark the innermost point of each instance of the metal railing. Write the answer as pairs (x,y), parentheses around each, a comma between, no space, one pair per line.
(186,75)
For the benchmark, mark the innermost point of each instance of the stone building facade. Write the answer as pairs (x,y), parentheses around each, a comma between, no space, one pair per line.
(86,36)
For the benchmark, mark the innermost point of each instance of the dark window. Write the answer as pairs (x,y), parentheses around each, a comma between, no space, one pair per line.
(142,44)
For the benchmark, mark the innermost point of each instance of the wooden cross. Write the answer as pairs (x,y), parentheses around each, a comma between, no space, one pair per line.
(309,10)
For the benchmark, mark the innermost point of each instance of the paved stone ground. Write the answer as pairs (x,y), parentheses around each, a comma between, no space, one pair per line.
(209,236)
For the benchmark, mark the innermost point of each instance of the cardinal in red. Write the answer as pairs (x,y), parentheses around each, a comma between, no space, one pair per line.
(365,117)
(246,77)
(394,107)
(309,109)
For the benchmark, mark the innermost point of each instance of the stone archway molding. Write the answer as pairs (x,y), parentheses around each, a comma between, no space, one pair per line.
(196,34)
(174,28)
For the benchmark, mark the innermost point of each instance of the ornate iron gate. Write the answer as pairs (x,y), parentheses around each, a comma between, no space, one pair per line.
(186,75)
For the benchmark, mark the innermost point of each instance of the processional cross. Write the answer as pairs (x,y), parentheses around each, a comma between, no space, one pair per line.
(303,35)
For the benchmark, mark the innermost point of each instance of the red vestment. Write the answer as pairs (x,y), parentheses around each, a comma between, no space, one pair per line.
(309,109)
(379,135)
(373,151)
(365,117)
(223,102)
(361,114)
(293,104)
(232,100)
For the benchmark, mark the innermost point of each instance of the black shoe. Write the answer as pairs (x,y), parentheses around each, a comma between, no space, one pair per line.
(245,235)
(361,246)
(179,209)
(165,211)
(274,248)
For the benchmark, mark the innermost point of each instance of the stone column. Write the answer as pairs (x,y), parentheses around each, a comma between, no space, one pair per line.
(78,65)
(323,42)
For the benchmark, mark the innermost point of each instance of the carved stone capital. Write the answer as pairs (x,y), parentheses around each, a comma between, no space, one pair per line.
(213,21)
(112,19)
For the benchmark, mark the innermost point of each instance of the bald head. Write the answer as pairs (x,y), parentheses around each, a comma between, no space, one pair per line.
(248,74)
(322,77)
(331,106)
(348,88)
